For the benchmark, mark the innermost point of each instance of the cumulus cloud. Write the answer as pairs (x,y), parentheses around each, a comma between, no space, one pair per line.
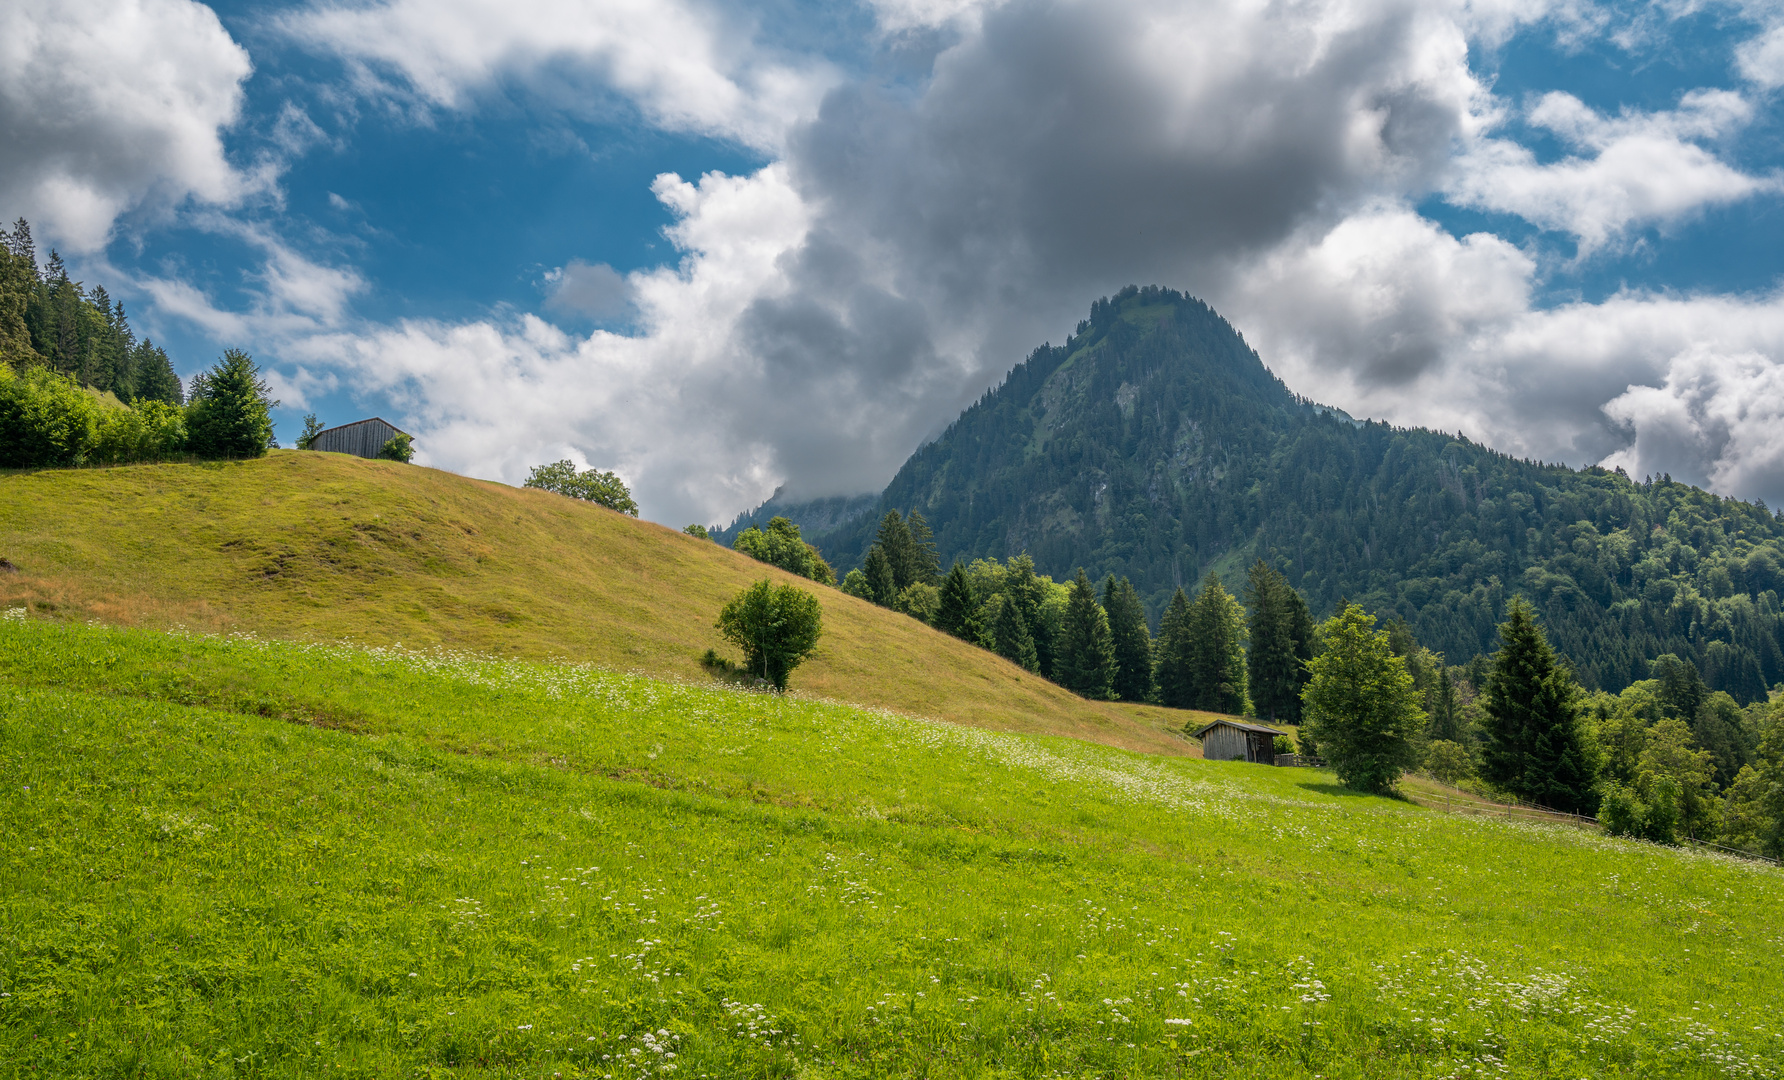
(107,104)
(1714,422)
(1390,316)
(912,241)
(684,65)
(1629,170)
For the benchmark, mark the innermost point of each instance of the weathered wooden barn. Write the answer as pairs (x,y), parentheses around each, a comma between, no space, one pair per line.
(1231,740)
(362,437)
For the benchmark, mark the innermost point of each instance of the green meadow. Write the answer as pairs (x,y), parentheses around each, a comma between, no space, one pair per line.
(230,857)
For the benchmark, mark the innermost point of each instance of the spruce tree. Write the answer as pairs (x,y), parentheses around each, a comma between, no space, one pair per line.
(882,585)
(955,614)
(925,563)
(230,415)
(1133,640)
(1085,660)
(894,539)
(1216,651)
(1011,638)
(1172,654)
(1534,747)
(1029,592)
(1272,666)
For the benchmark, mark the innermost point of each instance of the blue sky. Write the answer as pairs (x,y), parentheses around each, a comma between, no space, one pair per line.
(725,247)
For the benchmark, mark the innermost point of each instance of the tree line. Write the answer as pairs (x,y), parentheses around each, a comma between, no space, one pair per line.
(1666,758)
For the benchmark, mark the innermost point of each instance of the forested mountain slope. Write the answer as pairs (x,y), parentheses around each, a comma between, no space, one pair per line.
(1154,444)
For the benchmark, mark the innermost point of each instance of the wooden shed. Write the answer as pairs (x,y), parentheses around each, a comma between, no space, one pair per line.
(1232,740)
(362,437)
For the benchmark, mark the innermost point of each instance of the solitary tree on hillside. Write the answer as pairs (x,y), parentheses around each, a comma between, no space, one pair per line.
(1361,705)
(1133,641)
(956,614)
(1534,747)
(1176,687)
(776,628)
(231,413)
(1085,662)
(591,485)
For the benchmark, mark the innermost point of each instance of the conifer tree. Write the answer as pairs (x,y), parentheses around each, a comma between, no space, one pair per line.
(1011,638)
(155,378)
(1029,592)
(895,542)
(1216,651)
(1534,747)
(1085,662)
(925,563)
(230,415)
(882,586)
(1172,650)
(956,612)
(1132,638)
(1274,662)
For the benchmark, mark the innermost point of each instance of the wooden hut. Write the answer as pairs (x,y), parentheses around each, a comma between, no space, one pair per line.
(1232,740)
(362,437)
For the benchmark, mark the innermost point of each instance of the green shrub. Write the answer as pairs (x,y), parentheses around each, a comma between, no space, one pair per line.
(777,628)
(149,430)
(45,419)
(781,545)
(398,447)
(1449,761)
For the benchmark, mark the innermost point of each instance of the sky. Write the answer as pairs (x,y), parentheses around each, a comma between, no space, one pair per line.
(722,248)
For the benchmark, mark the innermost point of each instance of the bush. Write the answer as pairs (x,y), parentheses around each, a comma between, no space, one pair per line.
(46,419)
(230,415)
(602,488)
(1282,744)
(149,430)
(398,447)
(1449,761)
(777,628)
(698,531)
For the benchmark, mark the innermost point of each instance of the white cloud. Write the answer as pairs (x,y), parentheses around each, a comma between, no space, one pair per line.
(1714,422)
(685,66)
(1630,170)
(1761,60)
(108,104)
(833,309)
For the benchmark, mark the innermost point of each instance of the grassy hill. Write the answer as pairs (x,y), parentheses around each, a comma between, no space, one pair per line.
(231,857)
(328,547)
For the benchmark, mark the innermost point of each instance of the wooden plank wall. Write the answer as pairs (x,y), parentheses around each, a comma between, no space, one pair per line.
(364,438)
(1224,744)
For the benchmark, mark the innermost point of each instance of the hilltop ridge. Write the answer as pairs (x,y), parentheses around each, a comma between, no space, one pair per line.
(329,547)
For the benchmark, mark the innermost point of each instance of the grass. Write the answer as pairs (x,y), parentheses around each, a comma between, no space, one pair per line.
(329,547)
(236,857)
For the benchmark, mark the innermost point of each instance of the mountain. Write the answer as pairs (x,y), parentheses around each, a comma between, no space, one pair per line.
(320,547)
(1154,444)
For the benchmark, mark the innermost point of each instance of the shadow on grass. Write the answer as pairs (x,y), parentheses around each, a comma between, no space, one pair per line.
(1341,790)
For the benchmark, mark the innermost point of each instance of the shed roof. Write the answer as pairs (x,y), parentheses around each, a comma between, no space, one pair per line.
(368,420)
(1259,728)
